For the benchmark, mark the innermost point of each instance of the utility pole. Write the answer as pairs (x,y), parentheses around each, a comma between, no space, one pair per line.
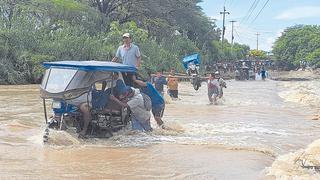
(223,27)
(257,41)
(232,37)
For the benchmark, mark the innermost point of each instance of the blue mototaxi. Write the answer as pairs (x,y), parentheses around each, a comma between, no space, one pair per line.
(69,83)
(191,64)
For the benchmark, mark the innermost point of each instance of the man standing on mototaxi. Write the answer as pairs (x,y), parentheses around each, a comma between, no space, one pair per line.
(130,55)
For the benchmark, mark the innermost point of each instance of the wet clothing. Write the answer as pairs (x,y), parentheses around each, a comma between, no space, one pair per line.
(213,87)
(139,112)
(140,125)
(159,82)
(173,93)
(173,87)
(263,74)
(157,100)
(222,84)
(172,83)
(158,111)
(129,55)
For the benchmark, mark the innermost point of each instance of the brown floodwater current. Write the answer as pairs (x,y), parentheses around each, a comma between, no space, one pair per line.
(239,138)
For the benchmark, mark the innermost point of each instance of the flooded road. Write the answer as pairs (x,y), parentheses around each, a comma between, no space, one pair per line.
(239,138)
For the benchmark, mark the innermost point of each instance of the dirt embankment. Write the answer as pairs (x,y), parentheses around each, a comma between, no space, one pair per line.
(299,75)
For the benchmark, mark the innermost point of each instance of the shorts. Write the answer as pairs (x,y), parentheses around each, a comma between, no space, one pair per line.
(213,91)
(173,93)
(158,110)
(140,125)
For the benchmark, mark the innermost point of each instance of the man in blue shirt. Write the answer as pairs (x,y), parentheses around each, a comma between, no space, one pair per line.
(159,82)
(130,55)
(158,104)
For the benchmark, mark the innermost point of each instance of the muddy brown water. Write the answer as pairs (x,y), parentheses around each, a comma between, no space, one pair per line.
(239,138)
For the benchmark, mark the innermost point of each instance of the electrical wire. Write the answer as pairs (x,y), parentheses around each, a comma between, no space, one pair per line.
(250,11)
(265,4)
(240,40)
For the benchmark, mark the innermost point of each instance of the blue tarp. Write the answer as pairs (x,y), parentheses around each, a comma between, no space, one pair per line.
(91,66)
(195,58)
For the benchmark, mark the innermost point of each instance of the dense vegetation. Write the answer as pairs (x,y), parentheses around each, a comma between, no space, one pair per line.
(33,31)
(298,43)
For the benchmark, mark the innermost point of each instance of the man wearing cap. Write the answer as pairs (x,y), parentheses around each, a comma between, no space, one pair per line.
(129,53)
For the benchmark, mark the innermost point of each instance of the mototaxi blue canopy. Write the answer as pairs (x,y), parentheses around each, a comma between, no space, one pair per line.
(91,66)
(195,58)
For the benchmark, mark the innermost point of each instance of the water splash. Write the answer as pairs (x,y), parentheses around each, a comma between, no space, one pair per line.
(291,166)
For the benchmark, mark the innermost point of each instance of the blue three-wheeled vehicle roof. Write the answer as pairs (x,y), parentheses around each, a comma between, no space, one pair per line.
(91,66)
(195,58)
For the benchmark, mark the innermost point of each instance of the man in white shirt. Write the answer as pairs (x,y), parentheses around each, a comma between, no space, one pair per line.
(140,118)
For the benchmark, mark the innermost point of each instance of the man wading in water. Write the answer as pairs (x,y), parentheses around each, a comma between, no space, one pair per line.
(172,84)
(158,104)
(213,88)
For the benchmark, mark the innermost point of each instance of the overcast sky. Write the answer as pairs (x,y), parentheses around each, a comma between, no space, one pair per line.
(273,19)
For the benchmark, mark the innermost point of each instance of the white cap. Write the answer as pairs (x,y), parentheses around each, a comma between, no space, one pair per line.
(126,35)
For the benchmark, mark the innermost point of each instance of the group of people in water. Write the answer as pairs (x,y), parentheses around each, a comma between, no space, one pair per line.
(140,99)
(143,97)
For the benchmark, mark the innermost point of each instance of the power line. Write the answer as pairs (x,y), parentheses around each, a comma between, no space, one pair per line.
(250,11)
(239,36)
(265,4)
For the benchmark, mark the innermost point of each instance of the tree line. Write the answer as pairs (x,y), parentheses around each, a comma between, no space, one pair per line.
(298,43)
(34,31)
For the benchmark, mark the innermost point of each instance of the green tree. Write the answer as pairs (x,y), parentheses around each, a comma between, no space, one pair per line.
(34,31)
(297,43)
(258,54)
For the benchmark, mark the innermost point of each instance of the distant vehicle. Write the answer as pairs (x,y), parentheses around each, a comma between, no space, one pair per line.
(66,82)
(244,70)
(192,66)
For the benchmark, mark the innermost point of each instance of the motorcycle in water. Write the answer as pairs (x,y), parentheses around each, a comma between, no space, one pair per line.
(68,84)
(192,66)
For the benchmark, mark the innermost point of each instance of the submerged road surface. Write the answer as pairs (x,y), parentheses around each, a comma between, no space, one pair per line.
(239,138)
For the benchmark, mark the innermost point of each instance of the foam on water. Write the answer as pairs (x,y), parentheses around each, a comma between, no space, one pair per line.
(298,164)
(290,166)
(304,92)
